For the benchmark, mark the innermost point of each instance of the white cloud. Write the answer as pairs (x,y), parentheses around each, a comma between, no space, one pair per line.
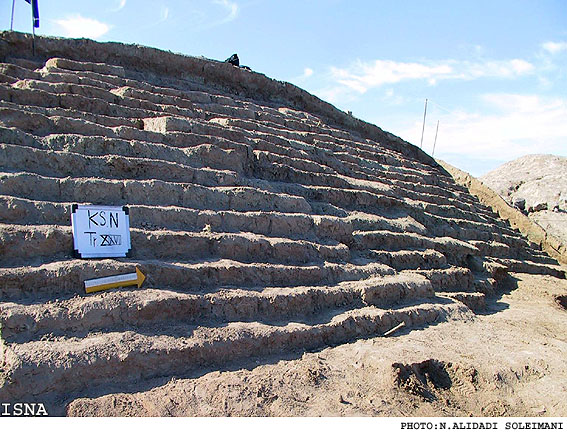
(554,47)
(307,72)
(77,26)
(499,69)
(362,76)
(231,7)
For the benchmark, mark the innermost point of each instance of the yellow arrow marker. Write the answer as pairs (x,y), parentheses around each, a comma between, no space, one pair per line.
(98,284)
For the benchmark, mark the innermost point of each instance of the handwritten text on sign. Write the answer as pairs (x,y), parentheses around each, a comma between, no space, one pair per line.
(100,231)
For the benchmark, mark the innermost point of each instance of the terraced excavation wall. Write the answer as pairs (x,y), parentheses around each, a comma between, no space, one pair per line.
(267,222)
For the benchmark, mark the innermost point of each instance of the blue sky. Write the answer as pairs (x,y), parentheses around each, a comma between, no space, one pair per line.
(494,72)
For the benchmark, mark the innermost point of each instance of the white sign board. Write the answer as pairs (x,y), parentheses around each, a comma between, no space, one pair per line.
(100,231)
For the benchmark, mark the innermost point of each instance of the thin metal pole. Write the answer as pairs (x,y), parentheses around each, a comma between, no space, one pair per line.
(423,128)
(33,33)
(436,131)
(12,20)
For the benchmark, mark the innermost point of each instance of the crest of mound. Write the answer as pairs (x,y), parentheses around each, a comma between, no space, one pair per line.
(266,221)
(537,186)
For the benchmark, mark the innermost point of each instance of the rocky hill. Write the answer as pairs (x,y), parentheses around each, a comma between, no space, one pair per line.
(537,186)
(267,222)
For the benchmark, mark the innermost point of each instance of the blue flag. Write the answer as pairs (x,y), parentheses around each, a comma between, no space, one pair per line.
(35,12)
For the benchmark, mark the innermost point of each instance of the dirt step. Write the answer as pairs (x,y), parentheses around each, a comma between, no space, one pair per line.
(294,173)
(160,99)
(150,91)
(275,224)
(89,100)
(451,279)
(25,96)
(285,173)
(67,88)
(448,211)
(338,161)
(109,118)
(323,137)
(264,158)
(410,259)
(73,65)
(394,241)
(123,308)
(40,124)
(66,278)
(475,301)
(316,141)
(363,222)
(128,131)
(61,164)
(195,151)
(19,244)
(211,105)
(58,75)
(340,133)
(391,165)
(299,226)
(537,256)
(485,284)
(17,72)
(147,192)
(347,199)
(302,171)
(284,169)
(349,146)
(493,248)
(102,95)
(462,228)
(517,241)
(73,365)
(372,202)
(530,267)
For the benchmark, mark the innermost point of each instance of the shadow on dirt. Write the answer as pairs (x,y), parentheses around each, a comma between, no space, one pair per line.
(493,302)
(561,301)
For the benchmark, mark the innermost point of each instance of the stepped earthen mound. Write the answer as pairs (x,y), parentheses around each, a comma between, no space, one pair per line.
(537,186)
(267,222)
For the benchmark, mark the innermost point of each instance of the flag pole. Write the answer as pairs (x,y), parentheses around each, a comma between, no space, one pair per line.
(12,20)
(435,142)
(33,36)
(423,128)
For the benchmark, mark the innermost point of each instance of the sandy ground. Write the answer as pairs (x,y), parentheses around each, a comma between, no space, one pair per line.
(509,361)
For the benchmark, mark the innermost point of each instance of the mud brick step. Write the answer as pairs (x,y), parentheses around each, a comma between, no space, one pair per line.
(15,210)
(123,308)
(65,278)
(147,192)
(130,356)
(19,244)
